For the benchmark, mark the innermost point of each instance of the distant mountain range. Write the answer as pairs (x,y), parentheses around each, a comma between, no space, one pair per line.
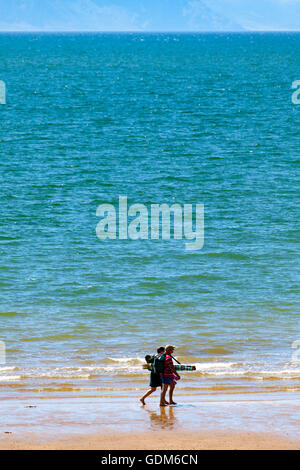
(108,15)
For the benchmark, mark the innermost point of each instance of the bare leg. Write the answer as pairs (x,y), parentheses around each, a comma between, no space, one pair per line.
(171,390)
(163,395)
(152,389)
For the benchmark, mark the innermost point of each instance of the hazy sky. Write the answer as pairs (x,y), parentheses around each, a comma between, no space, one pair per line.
(149,15)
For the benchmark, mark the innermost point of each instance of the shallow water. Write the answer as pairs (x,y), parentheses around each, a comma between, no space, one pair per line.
(189,118)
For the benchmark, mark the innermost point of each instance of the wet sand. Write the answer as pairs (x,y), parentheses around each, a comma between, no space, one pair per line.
(231,422)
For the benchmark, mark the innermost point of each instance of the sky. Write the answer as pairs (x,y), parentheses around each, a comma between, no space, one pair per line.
(149,15)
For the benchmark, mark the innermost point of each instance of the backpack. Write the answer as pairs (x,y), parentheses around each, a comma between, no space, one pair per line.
(149,359)
(159,363)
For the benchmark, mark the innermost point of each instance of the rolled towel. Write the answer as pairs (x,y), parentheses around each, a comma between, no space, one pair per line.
(176,366)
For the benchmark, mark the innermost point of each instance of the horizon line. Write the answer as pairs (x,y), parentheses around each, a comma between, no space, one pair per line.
(242,31)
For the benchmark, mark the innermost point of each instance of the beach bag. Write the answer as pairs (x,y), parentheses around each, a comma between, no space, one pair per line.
(159,363)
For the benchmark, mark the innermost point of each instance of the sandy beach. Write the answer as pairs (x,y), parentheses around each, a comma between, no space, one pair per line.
(116,424)
(159,441)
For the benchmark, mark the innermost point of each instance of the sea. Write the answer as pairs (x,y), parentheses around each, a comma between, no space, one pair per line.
(159,118)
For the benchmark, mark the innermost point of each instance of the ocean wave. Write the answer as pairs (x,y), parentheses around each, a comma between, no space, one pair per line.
(124,360)
(130,368)
(70,387)
(49,375)
(214,365)
(7,378)
(78,368)
(235,371)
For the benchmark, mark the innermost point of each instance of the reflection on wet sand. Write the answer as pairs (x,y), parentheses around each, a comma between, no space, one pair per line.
(163,419)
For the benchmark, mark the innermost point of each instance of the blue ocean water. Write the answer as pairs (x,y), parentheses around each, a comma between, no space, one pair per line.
(160,118)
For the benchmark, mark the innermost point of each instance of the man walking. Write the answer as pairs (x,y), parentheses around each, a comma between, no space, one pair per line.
(168,377)
(155,379)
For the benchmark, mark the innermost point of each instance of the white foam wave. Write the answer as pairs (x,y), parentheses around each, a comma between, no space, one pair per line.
(132,367)
(126,360)
(7,378)
(214,365)
(48,375)
(79,369)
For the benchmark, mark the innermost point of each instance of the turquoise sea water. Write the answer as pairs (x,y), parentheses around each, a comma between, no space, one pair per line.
(186,118)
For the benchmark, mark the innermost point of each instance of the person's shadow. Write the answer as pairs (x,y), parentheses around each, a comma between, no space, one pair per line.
(163,419)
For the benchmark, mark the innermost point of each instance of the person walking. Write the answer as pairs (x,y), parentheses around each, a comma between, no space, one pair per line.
(168,377)
(155,379)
